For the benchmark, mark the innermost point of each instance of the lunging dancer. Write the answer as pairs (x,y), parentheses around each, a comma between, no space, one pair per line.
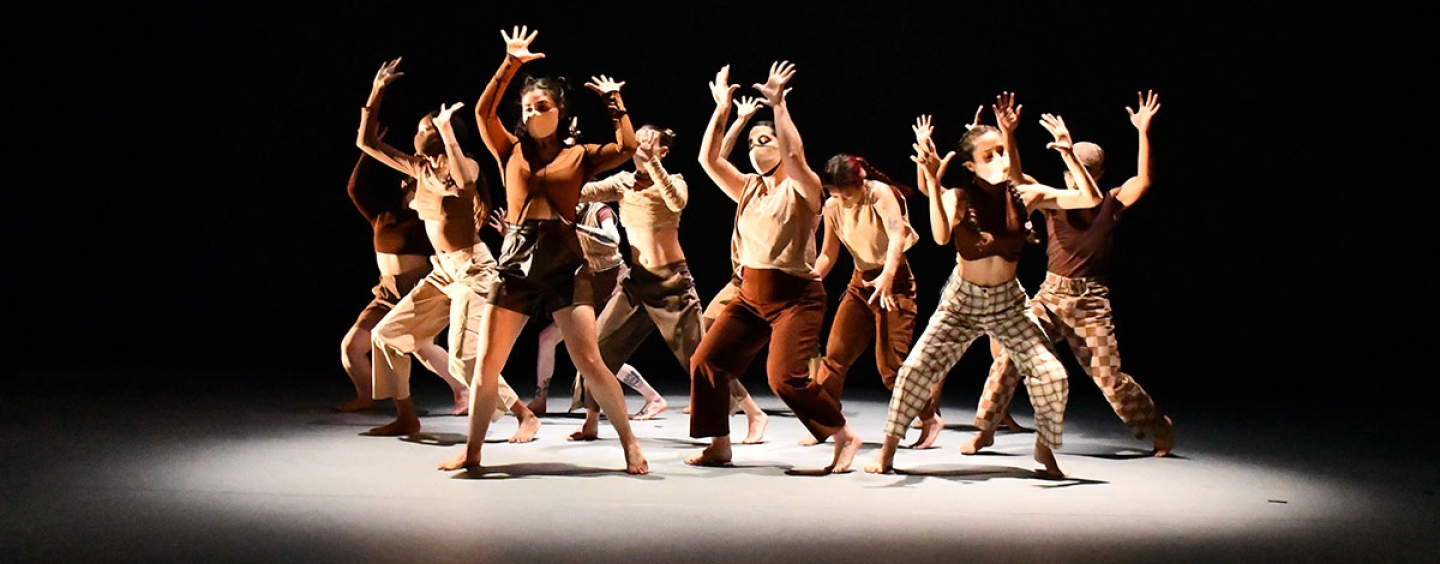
(451,199)
(781,300)
(542,270)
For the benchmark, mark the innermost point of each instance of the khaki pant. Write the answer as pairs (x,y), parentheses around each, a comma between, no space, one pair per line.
(451,295)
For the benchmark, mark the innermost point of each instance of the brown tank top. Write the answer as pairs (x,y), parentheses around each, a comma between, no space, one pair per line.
(1081,240)
(994,223)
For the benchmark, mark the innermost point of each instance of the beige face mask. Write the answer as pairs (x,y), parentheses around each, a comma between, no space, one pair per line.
(765,159)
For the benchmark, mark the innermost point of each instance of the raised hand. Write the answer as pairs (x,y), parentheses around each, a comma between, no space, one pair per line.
(648,142)
(746,106)
(934,165)
(442,119)
(604,85)
(975,121)
(924,133)
(720,88)
(774,87)
(1056,126)
(1149,104)
(387,74)
(517,43)
(1007,114)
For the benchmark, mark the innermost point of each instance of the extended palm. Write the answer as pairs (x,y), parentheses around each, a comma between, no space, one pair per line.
(774,87)
(746,106)
(720,88)
(517,43)
(1149,104)
(604,85)
(1056,126)
(1007,114)
(442,118)
(387,73)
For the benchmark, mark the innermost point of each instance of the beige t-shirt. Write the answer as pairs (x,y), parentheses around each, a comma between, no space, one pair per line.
(776,229)
(651,201)
(862,230)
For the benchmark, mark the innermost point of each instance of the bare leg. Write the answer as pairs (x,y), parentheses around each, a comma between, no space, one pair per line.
(717,454)
(545,367)
(589,430)
(847,443)
(1045,456)
(654,402)
(885,461)
(355,357)
(498,330)
(577,324)
(434,358)
(405,423)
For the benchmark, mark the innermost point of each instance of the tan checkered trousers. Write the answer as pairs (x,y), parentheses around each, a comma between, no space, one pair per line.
(1078,311)
(966,312)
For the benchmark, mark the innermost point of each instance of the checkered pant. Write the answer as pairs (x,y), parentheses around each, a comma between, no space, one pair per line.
(967,311)
(1077,310)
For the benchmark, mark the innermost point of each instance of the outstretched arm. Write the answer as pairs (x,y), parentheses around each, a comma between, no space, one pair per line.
(1137,185)
(1007,115)
(1085,195)
(608,233)
(895,228)
(942,201)
(368,139)
(487,110)
(787,137)
(719,168)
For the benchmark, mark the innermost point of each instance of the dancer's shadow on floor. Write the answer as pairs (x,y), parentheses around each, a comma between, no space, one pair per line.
(915,475)
(542,470)
(443,439)
(1112,452)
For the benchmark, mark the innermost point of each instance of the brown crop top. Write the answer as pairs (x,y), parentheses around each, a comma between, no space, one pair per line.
(994,224)
(398,229)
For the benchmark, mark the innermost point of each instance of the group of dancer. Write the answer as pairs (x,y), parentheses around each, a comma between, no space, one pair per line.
(560,260)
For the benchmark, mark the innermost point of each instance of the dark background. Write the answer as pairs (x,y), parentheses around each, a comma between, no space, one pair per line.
(181,216)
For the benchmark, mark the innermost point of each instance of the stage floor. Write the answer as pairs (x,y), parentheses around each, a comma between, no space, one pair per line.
(213,471)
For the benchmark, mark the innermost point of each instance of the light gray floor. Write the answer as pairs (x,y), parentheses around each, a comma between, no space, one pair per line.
(93,475)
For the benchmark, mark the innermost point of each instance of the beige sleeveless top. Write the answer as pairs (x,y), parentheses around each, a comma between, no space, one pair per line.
(775,229)
(862,230)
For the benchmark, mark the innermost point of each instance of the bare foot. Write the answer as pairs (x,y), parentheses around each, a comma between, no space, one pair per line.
(885,461)
(847,443)
(529,425)
(1164,437)
(651,409)
(588,431)
(1045,456)
(929,431)
(357,404)
(808,440)
(462,402)
(396,428)
(460,460)
(537,404)
(756,433)
(686,410)
(980,440)
(717,454)
(635,462)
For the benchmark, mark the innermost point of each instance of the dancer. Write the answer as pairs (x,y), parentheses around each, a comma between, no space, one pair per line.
(985,219)
(450,202)
(600,239)
(542,270)
(866,212)
(781,299)
(401,253)
(1074,301)
(659,292)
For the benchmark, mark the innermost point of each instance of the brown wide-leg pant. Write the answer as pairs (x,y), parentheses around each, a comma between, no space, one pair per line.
(781,310)
(859,323)
(1077,310)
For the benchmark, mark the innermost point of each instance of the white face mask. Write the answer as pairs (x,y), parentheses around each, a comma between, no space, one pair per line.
(765,158)
(994,171)
(543,124)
